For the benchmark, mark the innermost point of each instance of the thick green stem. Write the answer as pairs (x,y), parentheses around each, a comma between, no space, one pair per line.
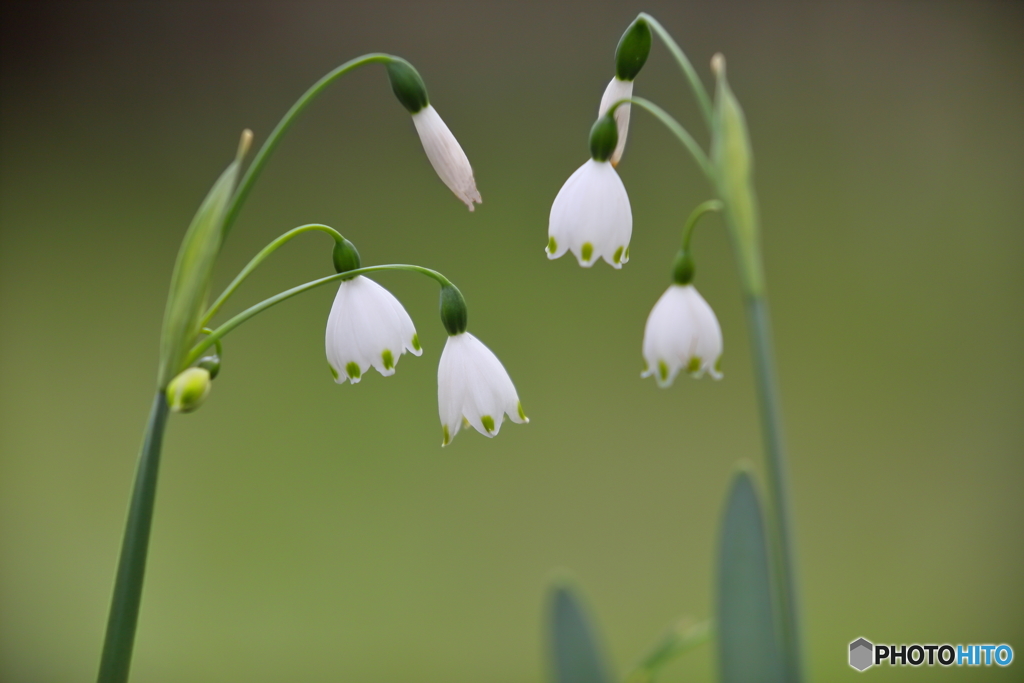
(124,607)
(234,322)
(260,258)
(778,481)
(256,167)
(691,75)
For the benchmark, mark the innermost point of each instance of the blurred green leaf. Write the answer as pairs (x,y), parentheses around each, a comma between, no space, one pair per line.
(190,282)
(748,646)
(575,652)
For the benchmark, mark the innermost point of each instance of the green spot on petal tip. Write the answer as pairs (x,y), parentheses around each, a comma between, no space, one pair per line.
(587,251)
(334,373)
(718,364)
(694,365)
(416,342)
(522,414)
(618,255)
(552,245)
(662,371)
(389,360)
(352,370)
(444,433)
(488,422)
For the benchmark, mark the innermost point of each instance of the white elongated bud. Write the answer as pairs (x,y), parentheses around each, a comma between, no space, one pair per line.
(446,155)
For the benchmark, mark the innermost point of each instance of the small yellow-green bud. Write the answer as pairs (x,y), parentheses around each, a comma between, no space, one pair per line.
(188,390)
(604,135)
(632,51)
(346,257)
(407,85)
(454,314)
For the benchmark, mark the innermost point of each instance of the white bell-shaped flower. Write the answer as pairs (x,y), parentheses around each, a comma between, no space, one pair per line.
(367,326)
(682,332)
(591,217)
(617,89)
(446,155)
(472,386)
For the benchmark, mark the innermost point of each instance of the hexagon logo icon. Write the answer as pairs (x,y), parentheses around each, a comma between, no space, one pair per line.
(861,652)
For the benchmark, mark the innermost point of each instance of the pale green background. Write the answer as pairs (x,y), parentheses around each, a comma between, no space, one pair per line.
(312,532)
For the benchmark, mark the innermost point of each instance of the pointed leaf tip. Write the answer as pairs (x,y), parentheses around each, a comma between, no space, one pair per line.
(576,654)
(748,644)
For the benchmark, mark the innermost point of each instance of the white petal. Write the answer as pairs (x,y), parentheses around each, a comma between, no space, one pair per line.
(591,216)
(617,90)
(367,327)
(473,385)
(446,155)
(680,328)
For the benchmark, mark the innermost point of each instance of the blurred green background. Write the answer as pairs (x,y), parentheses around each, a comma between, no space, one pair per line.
(314,532)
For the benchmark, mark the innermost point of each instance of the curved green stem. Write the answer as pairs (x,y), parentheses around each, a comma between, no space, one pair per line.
(691,222)
(217,344)
(131,567)
(234,322)
(262,256)
(677,129)
(256,167)
(703,99)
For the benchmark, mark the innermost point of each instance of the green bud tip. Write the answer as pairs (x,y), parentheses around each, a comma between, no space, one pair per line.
(454,314)
(244,143)
(488,422)
(632,51)
(346,257)
(604,135)
(683,269)
(211,364)
(188,390)
(407,85)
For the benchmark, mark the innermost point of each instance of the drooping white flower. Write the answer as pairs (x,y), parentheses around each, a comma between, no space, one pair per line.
(682,332)
(591,217)
(446,155)
(367,326)
(472,385)
(617,89)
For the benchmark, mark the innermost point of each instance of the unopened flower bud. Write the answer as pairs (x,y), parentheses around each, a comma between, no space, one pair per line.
(346,257)
(632,51)
(188,390)
(604,135)
(454,315)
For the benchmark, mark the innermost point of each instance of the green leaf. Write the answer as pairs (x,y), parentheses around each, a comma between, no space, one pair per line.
(575,652)
(190,282)
(734,165)
(748,645)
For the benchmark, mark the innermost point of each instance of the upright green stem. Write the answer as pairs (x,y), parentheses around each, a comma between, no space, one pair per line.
(778,480)
(256,167)
(691,75)
(124,608)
